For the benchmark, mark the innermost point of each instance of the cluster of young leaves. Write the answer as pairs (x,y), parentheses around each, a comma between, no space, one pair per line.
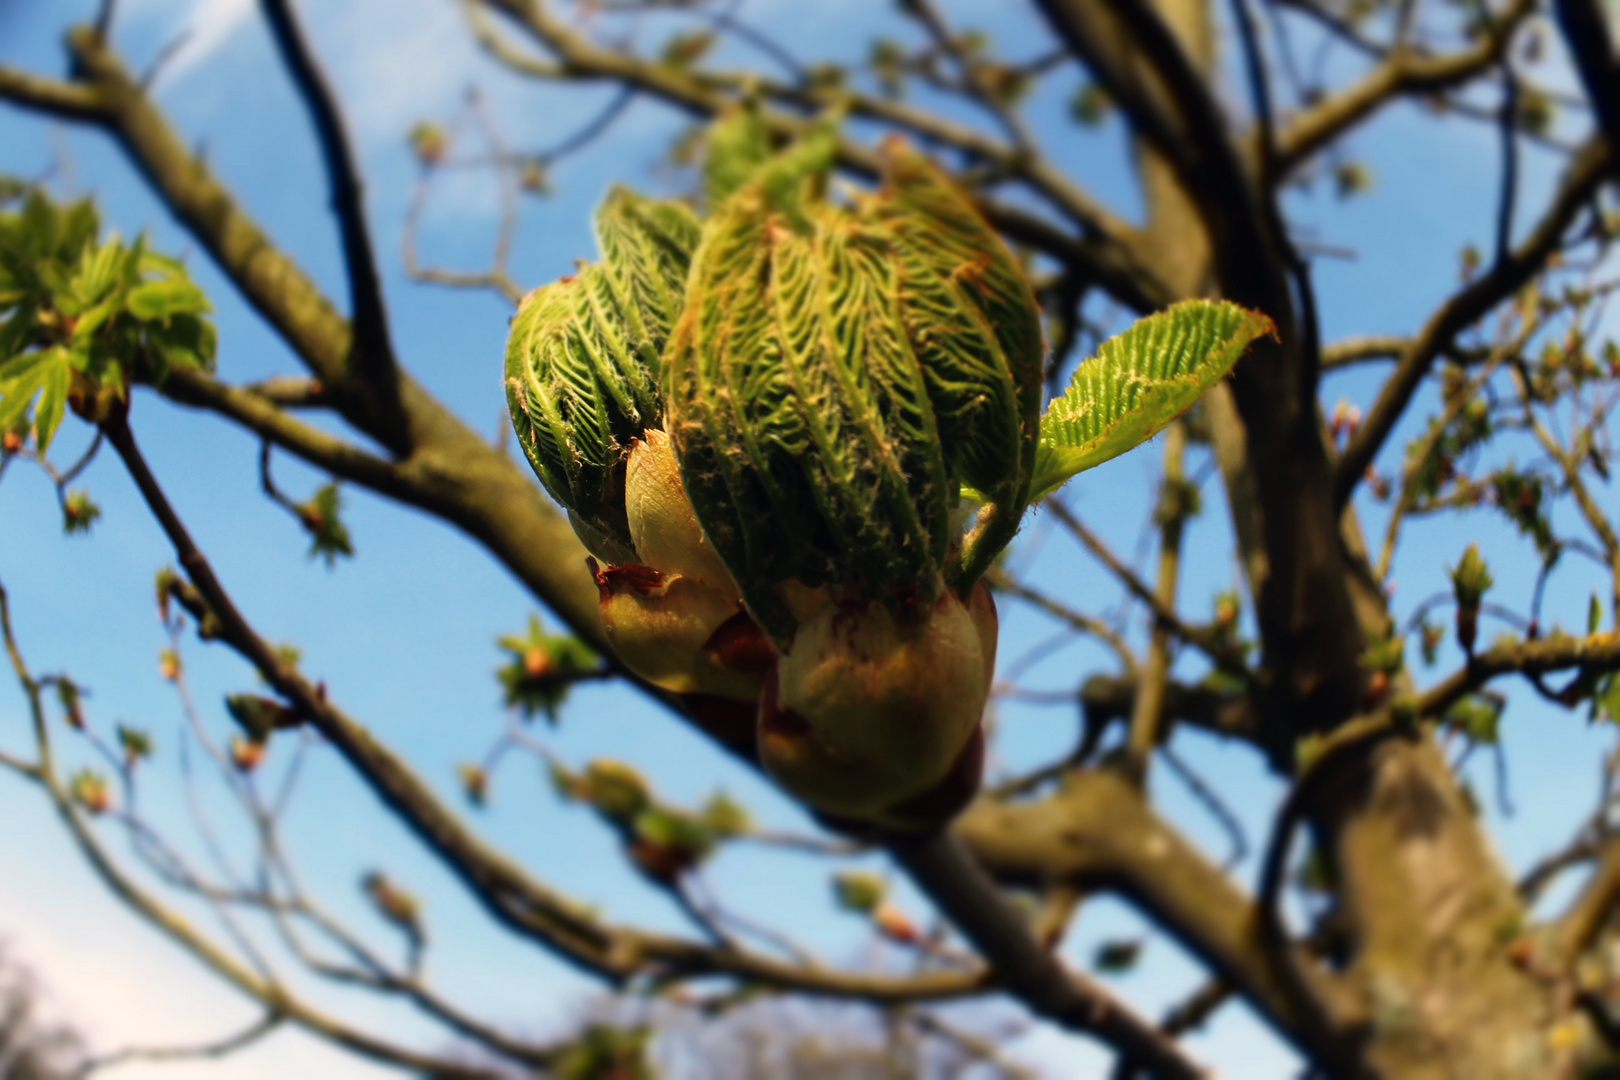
(1521,496)
(1477,717)
(1436,459)
(83,318)
(542,669)
(79,512)
(892,65)
(329,538)
(665,841)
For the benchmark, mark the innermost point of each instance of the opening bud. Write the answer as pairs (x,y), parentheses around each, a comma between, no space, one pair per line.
(871,709)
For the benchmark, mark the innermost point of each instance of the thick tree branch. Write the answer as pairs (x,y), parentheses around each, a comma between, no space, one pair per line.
(1098,831)
(1592,908)
(69,101)
(1589,39)
(945,869)
(269,280)
(262,414)
(1185,125)
(1597,654)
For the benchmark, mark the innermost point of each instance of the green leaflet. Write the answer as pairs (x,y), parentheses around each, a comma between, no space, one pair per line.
(47,375)
(838,372)
(583,358)
(1138,382)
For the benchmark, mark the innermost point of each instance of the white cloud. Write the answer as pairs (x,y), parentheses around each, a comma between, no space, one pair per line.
(201,28)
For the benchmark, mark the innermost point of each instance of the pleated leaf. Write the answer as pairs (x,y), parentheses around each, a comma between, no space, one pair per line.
(838,371)
(974,326)
(1138,383)
(583,359)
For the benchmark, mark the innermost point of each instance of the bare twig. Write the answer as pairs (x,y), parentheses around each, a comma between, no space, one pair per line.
(211,1051)
(1225,658)
(374,352)
(1148,710)
(1464,308)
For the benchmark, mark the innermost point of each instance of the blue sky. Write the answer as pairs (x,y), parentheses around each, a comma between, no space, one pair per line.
(404,635)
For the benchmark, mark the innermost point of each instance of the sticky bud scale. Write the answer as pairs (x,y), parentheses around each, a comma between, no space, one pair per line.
(869,710)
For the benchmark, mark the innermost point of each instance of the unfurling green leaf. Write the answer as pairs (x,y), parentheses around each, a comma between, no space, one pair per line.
(839,372)
(542,668)
(583,359)
(1139,382)
(684,50)
(78,512)
(683,839)
(70,696)
(725,816)
(260,717)
(46,375)
(321,518)
(1471,578)
(617,790)
(136,744)
(1606,700)
(81,320)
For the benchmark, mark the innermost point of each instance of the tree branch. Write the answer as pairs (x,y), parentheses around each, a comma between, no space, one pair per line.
(1463,309)
(67,101)
(1227,659)
(463,478)
(270,993)
(1361,349)
(515,899)
(945,869)
(373,351)
(1110,253)
(201,1052)
(1185,125)
(1404,72)
(1597,654)
(1099,832)
(1591,910)
(1587,36)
